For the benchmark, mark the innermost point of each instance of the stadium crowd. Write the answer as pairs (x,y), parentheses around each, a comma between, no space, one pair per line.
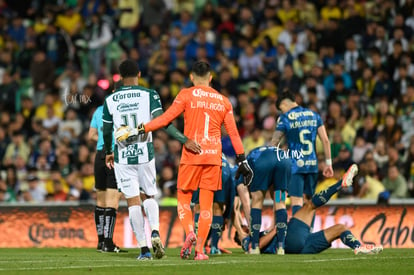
(352,61)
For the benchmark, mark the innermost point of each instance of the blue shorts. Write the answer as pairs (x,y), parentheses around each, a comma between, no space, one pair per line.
(268,171)
(299,239)
(302,184)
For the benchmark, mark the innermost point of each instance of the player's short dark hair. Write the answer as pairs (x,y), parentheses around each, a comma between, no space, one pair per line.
(283,96)
(128,68)
(200,68)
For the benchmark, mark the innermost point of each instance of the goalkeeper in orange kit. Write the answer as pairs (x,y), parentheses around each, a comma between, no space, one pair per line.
(205,111)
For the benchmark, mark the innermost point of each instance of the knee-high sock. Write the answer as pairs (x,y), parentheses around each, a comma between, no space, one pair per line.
(256,223)
(99,222)
(349,239)
(110,219)
(196,217)
(206,213)
(323,197)
(153,213)
(281,227)
(136,219)
(184,210)
(216,230)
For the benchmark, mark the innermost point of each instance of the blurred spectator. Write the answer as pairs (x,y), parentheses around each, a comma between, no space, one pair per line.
(54,44)
(250,64)
(289,81)
(395,183)
(33,191)
(187,26)
(283,58)
(170,194)
(70,21)
(97,35)
(253,140)
(380,153)
(360,148)
(154,12)
(369,186)
(12,184)
(42,71)
(368,131)
(45,149)
(17,148)
(337,72)
(70,125)
(8,88)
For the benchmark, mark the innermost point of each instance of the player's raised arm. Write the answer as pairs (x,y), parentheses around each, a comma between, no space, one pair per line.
(176,134)
(163,120)
(327,171)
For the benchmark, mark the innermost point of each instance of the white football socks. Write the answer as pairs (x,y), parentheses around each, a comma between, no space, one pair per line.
(153,213)
(136,218)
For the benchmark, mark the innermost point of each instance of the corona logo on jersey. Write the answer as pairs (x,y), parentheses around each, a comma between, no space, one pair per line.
(119,96)
(202,93)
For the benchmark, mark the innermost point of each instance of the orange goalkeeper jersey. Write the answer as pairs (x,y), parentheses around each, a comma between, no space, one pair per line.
(205,111)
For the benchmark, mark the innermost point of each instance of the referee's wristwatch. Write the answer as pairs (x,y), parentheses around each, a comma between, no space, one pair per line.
(108,152)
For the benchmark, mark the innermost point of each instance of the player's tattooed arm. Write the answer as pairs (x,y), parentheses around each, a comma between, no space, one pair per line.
(277,138)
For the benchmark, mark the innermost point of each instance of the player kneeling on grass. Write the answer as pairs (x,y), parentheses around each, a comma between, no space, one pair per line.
(300,240)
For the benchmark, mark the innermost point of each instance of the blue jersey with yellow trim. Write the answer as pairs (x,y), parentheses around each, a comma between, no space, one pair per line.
(300,126)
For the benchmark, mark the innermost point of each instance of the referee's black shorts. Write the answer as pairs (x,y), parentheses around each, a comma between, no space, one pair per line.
(104,177)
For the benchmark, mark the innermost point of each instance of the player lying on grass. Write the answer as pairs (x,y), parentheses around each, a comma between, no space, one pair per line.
(300,240)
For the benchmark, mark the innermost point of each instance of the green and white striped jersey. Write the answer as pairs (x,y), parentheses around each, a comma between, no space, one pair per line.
(132,105)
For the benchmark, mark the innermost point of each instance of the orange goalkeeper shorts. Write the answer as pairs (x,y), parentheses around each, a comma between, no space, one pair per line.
(192,177)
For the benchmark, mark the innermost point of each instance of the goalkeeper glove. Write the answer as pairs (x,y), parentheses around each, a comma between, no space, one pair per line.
(244,169)
(141,129)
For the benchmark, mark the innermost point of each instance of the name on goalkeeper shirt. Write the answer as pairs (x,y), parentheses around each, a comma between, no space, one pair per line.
(207,105)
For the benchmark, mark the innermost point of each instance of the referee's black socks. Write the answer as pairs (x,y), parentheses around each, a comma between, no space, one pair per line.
(109,226)
(99,222)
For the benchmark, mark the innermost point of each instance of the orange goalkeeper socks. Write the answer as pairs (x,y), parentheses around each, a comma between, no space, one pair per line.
(184,210)
(204,221)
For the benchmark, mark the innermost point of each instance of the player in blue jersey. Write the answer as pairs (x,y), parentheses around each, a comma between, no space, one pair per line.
(107,195)
(300,240)
(222,205)
(301,126)
(272,171)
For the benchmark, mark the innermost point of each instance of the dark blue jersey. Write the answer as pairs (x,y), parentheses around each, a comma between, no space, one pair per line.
(300,126)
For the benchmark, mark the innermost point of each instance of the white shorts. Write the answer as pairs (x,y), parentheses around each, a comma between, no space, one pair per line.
(134,178)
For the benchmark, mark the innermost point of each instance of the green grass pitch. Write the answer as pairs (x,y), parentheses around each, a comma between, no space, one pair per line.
(89,261)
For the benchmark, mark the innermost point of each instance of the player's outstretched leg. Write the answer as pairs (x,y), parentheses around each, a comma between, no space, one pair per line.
(345,235)
(152,211)
(323,197)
